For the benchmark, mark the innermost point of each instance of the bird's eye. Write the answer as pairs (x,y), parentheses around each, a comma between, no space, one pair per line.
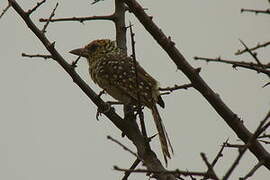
(93,47)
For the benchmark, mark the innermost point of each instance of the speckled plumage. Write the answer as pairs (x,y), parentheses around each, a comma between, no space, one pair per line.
(114,71)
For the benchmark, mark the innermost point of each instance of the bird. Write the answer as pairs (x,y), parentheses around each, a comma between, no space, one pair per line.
(116,73)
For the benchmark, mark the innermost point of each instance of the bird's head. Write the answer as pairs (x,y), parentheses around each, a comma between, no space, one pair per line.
(95,48)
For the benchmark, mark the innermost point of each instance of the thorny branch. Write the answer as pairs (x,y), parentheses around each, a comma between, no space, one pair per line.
(258,46)
(37,55)
(5,10)
(80,19)
(254,55)
(124,147)
(218,156)
(140,112)
(168,90)
(134,165)
(47,23)
(209,166)
(30,11)
(176,172)
(253,170)
(242,149)
(246,65)
(267,11)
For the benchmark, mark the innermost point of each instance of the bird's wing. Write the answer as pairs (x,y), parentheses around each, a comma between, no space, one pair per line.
(122,74)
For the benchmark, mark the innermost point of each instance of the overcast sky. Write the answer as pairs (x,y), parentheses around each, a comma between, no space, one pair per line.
(48,129)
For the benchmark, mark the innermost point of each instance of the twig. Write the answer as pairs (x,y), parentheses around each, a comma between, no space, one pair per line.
(30,11)
(253,48)
(267,84)
(5,10)
(235,163)
(37,55)
(209,166)
(176,87)
(242,150)
(47,23)
(246,65)
(253,170)
(74,63)
(263,141)
(263,125)
(176,172)
(264,136)
(139,106)
(96,1)
(267,11)
(234,145)
(219,154)
(124,147)
(134,165)
(80,19)
(254,55)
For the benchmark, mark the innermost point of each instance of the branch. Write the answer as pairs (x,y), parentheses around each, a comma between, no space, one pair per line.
(5,10)
(177,172)
(176,87)
(134,165)
(96,1)
(246,65)
(124,147)
(80,19)
(30,11)
(262,126)
(37,55)
(267,11)
(254,55)
(214,100)
(47,23)
(209,166)
(253,170)
(253,48)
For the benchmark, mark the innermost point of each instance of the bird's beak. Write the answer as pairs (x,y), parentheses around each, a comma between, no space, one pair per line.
(79,52)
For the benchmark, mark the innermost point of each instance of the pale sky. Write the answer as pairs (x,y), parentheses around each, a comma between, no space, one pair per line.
(48,129)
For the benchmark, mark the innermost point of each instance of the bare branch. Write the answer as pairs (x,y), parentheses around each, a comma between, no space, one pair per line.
(37,55)
(246,65)
(47,23)
(219,154)
(267,11)
(262,126)
(176,87)
(96,1)
(30,11)
(176,172)
(124,147)
(253,48)
(209,166)
(267,84)
(238,146)
(254,55)
(253,170)
(80,19)
(134,165)
(5,10)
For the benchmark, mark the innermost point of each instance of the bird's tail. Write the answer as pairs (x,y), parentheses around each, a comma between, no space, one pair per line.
(163,136)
